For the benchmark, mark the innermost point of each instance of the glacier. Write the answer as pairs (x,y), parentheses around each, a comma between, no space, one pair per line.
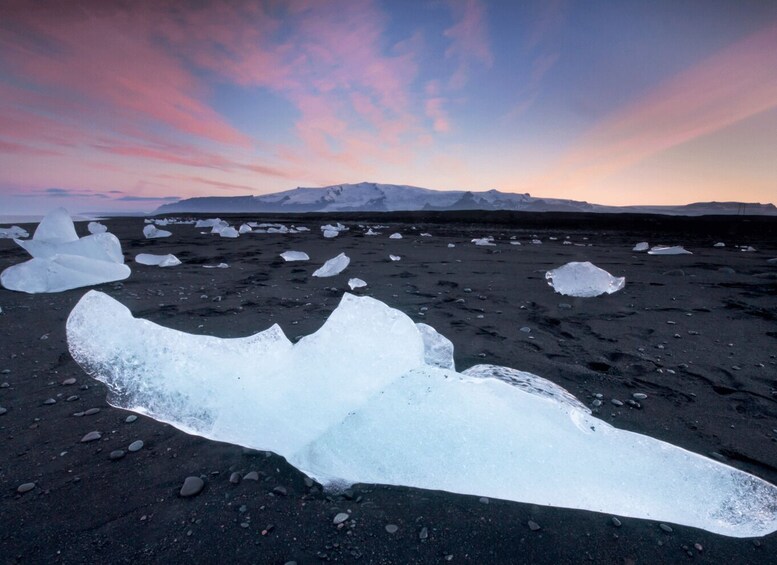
(62,261)
(584,280)
(372,397)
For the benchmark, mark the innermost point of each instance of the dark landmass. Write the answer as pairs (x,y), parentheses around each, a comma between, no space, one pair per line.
(696,333)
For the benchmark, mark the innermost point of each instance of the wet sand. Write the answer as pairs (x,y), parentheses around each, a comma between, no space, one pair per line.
(696,333)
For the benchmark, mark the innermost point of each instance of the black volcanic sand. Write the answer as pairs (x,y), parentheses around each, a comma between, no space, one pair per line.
(696,333)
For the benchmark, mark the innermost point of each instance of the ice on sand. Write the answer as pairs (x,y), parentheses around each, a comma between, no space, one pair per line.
(395,236)
(486,241)
(395,257)
(295,256)
(61,261)
(158,260)
(340,405)
(96,227)
(641,246)
(356,283)
(152,232)
(583,280)
(673,250)
(334,266)
(14,232)
(329,234)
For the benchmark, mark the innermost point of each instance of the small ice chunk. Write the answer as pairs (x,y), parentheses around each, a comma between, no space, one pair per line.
(536,241)
(219,266)
(748,248)
(719,244)
(395,257)
(395,236)
(371,232)
(673,250)
(168,260)
(356,283)
(295,256)
(451,245)
(209,223)
(245,228)
(641,246)
(329,234)
(14,232)
(484,241)
(334,266)
(583,280)
(338,227)
(151,232)
(229,232)
(96,227)
(426,235)
(515,243)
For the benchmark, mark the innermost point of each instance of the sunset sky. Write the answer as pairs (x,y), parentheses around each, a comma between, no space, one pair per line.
(111,106)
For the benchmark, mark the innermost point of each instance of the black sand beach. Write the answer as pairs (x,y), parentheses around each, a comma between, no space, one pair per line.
(695,333)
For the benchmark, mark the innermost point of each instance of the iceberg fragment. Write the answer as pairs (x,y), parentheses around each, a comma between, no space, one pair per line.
(245,228)
(395,257)
(14,232)
(295,256)
(356,283)
(168,260)
(487,241)
(641,246)
(333,266)
(219,266)
(719,244)
(329,234)
(395,236)
(152,232)
(673,250)
(583,279)
(96,227)
(61,261)
(341,405)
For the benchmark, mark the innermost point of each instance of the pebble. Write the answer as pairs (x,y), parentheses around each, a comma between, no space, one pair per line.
(3,410)
(72,398)
(91,436)
(526,329)
(135,446)
(234,478)
(698,547)
(615,522)
(25,487)
(116,454)
(340,518)
(666,528)
(192,486)
(131,418)
(596,403)
(251,476)
(91,412)
(5,385)
(392,528)
(49,401)
(280,490)
(533,526)
(616,402)
(70,381)
(484,500)
(639,396)
(424,533)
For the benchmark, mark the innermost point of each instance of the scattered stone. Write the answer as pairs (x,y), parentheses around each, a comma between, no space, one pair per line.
(72,398)
(667,528)
(340,518)
(3,410)
(484,500)
(5,385)
(91,436)
(533,526)
(192,486)
(616,402)
(392,528)
(234,478)
(116,454)
(49,401)
(639,396)
(131,418)
(70,381)
(251,476)
(424,533)
(25,487)
(280,491)
(698,547)
(526,329)
(91,412)
(615,522)
(135,446)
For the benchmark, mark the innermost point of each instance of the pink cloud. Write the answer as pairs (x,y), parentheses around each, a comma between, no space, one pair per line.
(469,39)
(435,111)
(731,85)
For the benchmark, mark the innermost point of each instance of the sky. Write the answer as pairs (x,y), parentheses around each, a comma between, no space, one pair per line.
(123,106)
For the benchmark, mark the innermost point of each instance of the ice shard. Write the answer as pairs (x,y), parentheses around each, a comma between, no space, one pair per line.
(333,266)
(152,232)
(61,261)
(168,260)
(355,283)
(362,400)
(295,256)
(673,250)
(583,280)
(96,227)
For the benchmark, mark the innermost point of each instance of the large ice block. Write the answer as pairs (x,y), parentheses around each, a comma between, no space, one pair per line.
(583,280)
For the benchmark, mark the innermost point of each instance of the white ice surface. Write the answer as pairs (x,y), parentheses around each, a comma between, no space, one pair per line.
(14,232)
(61,261)
(295,256)
(355,283)
(333,266)
(152,232)
(229,232)
(674,250)
(358,401)
(395,236)
(395,257)
(583,280)
(641,246)
(487,241)
(168,260)
(329,234)
(96,227)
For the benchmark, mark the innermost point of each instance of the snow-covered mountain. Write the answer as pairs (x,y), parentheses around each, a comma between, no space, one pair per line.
(374,197)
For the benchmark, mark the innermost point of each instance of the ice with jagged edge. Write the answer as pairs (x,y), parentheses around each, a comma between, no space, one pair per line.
(295,256)
(96,227)
(355,283)
(641,246)
(152,232)
(671,250)
(366,399)
(62,261)
(584,280)
(333,266)
(14,232)
(168,260)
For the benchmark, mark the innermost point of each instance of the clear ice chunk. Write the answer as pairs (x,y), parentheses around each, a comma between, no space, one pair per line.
(485,241)
(14,232)
(673,250)
(358,401)
(356,283)
(168,260)
(152,232)
(641,246)
(333,266)
(395,236)
(583,280)
(96,227)
(438,349)
(295,256)
(329,234)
